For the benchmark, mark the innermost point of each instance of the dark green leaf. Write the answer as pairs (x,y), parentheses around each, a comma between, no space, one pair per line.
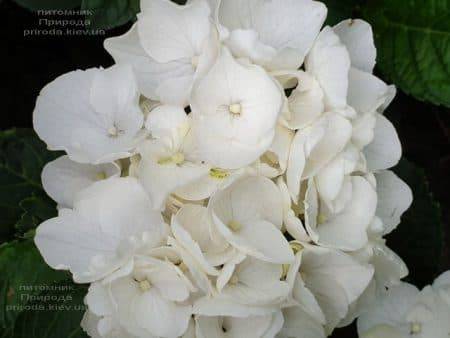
(419,238)
(35,5)
(36,210)
(105,14)
(56,313)
(413,41)
(22,157)
(24,275)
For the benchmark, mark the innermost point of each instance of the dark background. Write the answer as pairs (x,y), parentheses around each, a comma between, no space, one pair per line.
(30,62)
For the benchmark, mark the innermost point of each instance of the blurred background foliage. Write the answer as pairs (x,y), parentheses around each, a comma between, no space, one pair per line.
(413,42)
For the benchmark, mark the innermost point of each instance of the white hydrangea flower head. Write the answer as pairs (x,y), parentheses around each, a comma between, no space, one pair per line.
(228,178)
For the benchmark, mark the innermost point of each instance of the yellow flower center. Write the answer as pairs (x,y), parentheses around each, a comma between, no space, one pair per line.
(416,328)
(100,176)
(145,285)
(235,108)
(234,280)
(218,173)
(234,226)
(194,61)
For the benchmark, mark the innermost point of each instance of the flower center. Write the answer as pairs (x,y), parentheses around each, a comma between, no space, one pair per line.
(416,328)
(296,247)
(218,173)
(235,109)
(234,280)
(177,159)
(322,218)
(145,285)
(114,131)
(234,226)
(100,176)
(194,61)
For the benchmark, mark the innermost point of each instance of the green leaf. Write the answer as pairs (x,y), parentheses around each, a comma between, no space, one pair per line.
(105,14)
(36,210)
(22,157)
(413,41)
(419,237)
(56,313)
(35,5)
(24,275)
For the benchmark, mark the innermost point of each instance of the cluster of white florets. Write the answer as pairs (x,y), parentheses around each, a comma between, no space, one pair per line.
(254,213)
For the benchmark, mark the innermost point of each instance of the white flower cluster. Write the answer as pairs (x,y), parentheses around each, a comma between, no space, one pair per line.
(252,213)
(404,312)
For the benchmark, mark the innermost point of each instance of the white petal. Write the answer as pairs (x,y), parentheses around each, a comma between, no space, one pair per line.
(93,115)
(382,331)
(276,158)
(247,327)
(442,285)
(63,178)
(347,230)
(231,140)
(161,317)
(389,267)
(329,62)
(171,286)
(289,29)
(168,82)
(293,224)
(390,309)
(244,43)
(162,179)
(258,283)
(364,130)
(303,143)
(163,121)
(180,231)
(299,324)
(195,271)
(251,198)
(337,133)
(357,36)
(335,279)
(102,231)
(330,179)
(386,150)
(219,306)
(307,301)
(394,198)
(259,239)
(170,32)
(98,300)
(207,185)
(366,92)
(305,102)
